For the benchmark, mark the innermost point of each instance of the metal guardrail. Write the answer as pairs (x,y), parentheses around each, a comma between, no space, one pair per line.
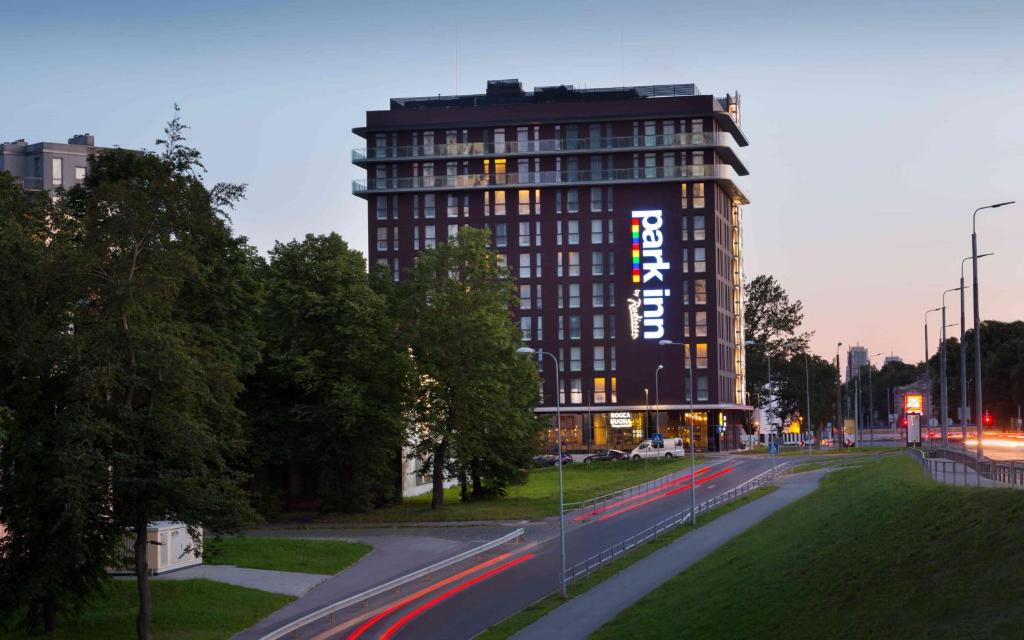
(330,610)
(591,504)
(609,554)
(949,464)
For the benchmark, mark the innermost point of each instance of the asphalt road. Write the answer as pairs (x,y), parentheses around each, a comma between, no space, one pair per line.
(471,597)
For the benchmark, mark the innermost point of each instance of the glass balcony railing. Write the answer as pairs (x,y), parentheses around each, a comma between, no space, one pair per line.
(543,178)
(29,183)
(534,147)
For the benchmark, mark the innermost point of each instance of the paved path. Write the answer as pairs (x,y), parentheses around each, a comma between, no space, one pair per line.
(586,613)
(396,552)
(287,582)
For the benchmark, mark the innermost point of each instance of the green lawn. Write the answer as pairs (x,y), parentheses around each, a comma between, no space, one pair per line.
(535,499)
(186,610)
(509,626)
(285,554)
(879,551)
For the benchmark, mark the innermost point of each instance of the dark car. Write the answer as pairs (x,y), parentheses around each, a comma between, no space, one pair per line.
(606,455)
(551,460)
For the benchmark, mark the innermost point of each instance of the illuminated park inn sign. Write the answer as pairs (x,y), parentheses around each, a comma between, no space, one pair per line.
(647,305)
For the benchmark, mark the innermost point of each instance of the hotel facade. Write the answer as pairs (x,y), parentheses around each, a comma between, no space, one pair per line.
(618,214)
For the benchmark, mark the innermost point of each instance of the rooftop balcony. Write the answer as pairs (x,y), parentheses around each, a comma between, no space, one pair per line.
(724,142)
(531,179)
(29,183)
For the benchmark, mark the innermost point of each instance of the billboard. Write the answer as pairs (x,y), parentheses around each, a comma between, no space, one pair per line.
(913,403)
(647,303)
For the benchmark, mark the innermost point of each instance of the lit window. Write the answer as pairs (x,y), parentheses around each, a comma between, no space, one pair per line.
(683,200)
(599,393)
(702,355)
(700,291)
(699,232)
(524,202)
(698,199)
(499,203)
(612,390)
(574,263)
(575,391)
(701,324)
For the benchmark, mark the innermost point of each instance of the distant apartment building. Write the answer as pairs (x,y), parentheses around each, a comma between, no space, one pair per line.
(893,360)
(618,212)
(856,358)
(48,165)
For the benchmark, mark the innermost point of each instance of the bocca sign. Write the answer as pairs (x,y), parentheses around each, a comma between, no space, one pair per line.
(647,305)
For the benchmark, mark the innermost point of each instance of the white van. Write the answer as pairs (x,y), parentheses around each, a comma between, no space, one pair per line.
(668,448)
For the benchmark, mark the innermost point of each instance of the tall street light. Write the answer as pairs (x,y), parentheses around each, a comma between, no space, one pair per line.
(561,486)
(839,394)
(943,385)
(657,400)
(693,456)
(871,400)
(979,409)
(965,412)
(807,388)
(927,367)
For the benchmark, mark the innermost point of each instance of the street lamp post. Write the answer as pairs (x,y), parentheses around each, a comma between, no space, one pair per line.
(927,367)
(693,456)
(979,409)
(657,400)
(839,394)
(965,412)
(807,388)
(561,486)
(943,388)
(871,401)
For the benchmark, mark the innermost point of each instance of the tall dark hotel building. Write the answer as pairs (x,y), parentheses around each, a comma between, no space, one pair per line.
(618,214)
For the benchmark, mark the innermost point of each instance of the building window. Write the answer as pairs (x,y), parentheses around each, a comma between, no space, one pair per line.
(596,231)
(701,324)
(613,366)
(686,324)
(685,263)
(561,296)
(575,391)
(453,232)
(524,265)
(700,264)
(697,126)
(536,233)
(611,331)
(686,292)
(501,235)
(684,222)
(382,238)
(599,327)
(536,265)
(700,291)
(596,200)
(574,327)
(683,199)
(429,236)
(574,264)
(573,205)
(698,198)
(575,358)
(597,294)
(382,207)
(702,388)
(574,231)
(574,296)
(599,393)
(416,239)
(57,164)
(524,202)
(611,257)
(540,320)
(526,325)
(499,203)
(394,238)
(650,137)
(611,294)
(428,205)
(453,205)
(524,234)
(79,174)
(599,358)
(524,296)
(699,231)
(702,355)
(650,165)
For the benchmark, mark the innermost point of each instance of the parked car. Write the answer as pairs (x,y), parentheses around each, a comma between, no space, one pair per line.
(671,448)
(551,460)
(606,455)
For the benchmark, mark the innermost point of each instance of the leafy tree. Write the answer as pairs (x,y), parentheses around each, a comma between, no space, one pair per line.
(166,328)
(54,489)
(326,403)
(474,395)
(771,323)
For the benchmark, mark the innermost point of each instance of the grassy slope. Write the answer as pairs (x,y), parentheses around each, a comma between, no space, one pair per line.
(535,499)
(186,610)
(879,551)
(283,554)
(539,609)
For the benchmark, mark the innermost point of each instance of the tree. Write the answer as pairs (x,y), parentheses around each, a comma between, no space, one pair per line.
(474,396)
(54,489)
(326,403)
(166,328)
(771,322)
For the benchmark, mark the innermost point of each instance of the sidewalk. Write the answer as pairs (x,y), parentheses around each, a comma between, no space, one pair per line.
(586,613)
(290,583)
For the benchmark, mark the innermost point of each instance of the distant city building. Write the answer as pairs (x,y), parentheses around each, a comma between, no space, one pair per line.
(47,165)
(618,213)
(893,360)
(856,358)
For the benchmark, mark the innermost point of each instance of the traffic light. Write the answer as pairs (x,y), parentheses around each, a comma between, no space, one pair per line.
(987,419)
(903,421)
